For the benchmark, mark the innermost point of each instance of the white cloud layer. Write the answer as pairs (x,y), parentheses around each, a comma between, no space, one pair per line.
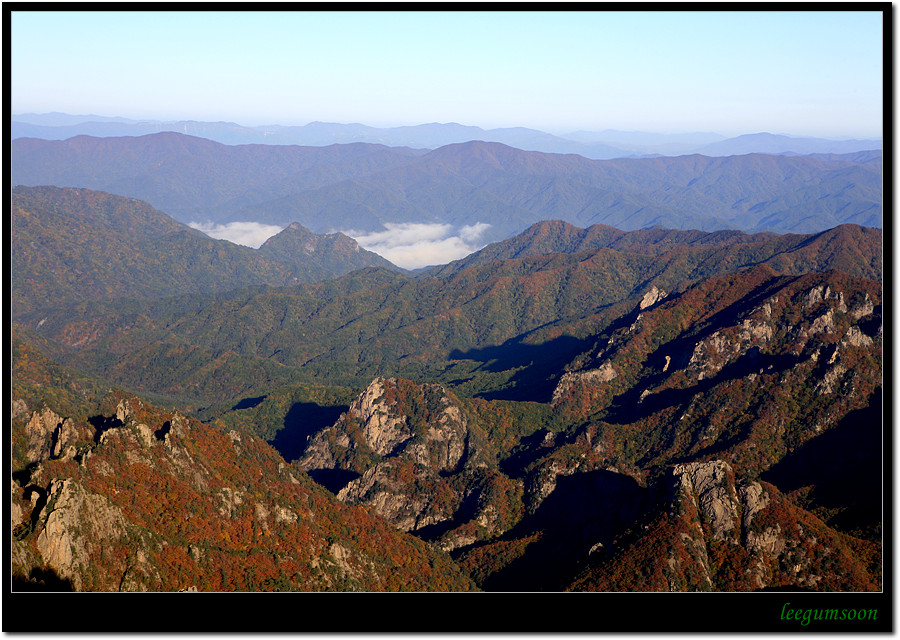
(415,244)
(249,234)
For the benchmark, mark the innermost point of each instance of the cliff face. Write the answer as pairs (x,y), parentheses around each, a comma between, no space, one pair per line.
(416,460)
(718,531)
(155,501)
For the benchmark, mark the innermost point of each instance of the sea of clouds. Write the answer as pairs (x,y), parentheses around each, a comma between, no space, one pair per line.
(249,234)
(410,245)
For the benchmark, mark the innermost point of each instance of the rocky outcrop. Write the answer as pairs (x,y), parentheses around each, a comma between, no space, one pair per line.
(754,527)
(406,494)
(707,496)
(709,486)
(569,380)
(77,526)
(721,532)
(49,436)
(393,417)
(652,296)
(383,428)
(418,467)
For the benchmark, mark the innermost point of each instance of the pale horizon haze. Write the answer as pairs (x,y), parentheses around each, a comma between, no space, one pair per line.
(802,73)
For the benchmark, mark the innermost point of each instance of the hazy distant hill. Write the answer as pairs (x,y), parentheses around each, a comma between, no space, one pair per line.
(641,142)
(430,136)
(57,119)
(360,186)
(512,189)
(780,144)
(596,145)
(190,178)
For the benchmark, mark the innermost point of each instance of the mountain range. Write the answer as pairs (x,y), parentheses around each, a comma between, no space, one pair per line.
(374,315)
(363,187)
(714,363)
(662,374)
(598,145)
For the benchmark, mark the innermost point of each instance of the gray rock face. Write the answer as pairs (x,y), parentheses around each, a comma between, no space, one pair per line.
(653,296)
(721,510)
(428,427)
(76,521)
(41,430)
(52,436)
(602,374)
(409,508)
(410,442)
(384,429)
(710,486)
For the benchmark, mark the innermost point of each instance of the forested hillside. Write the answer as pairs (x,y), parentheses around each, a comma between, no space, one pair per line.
(74,245)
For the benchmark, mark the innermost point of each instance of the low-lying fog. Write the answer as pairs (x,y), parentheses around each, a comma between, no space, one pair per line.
(409,245)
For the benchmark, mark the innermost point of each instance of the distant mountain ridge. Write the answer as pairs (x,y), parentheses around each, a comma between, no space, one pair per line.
(595,145)
(191,178)
(361,186)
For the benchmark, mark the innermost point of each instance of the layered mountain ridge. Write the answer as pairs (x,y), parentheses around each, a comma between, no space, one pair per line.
(591,144)
(434,464)
(363,187)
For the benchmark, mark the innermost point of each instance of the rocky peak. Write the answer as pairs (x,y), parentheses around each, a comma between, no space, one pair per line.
(411,444)
(384,428)
(421,420)
(50,436)
(650,298)
(709,487)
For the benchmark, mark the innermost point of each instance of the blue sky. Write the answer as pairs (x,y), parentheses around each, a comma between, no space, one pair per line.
(798,73)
